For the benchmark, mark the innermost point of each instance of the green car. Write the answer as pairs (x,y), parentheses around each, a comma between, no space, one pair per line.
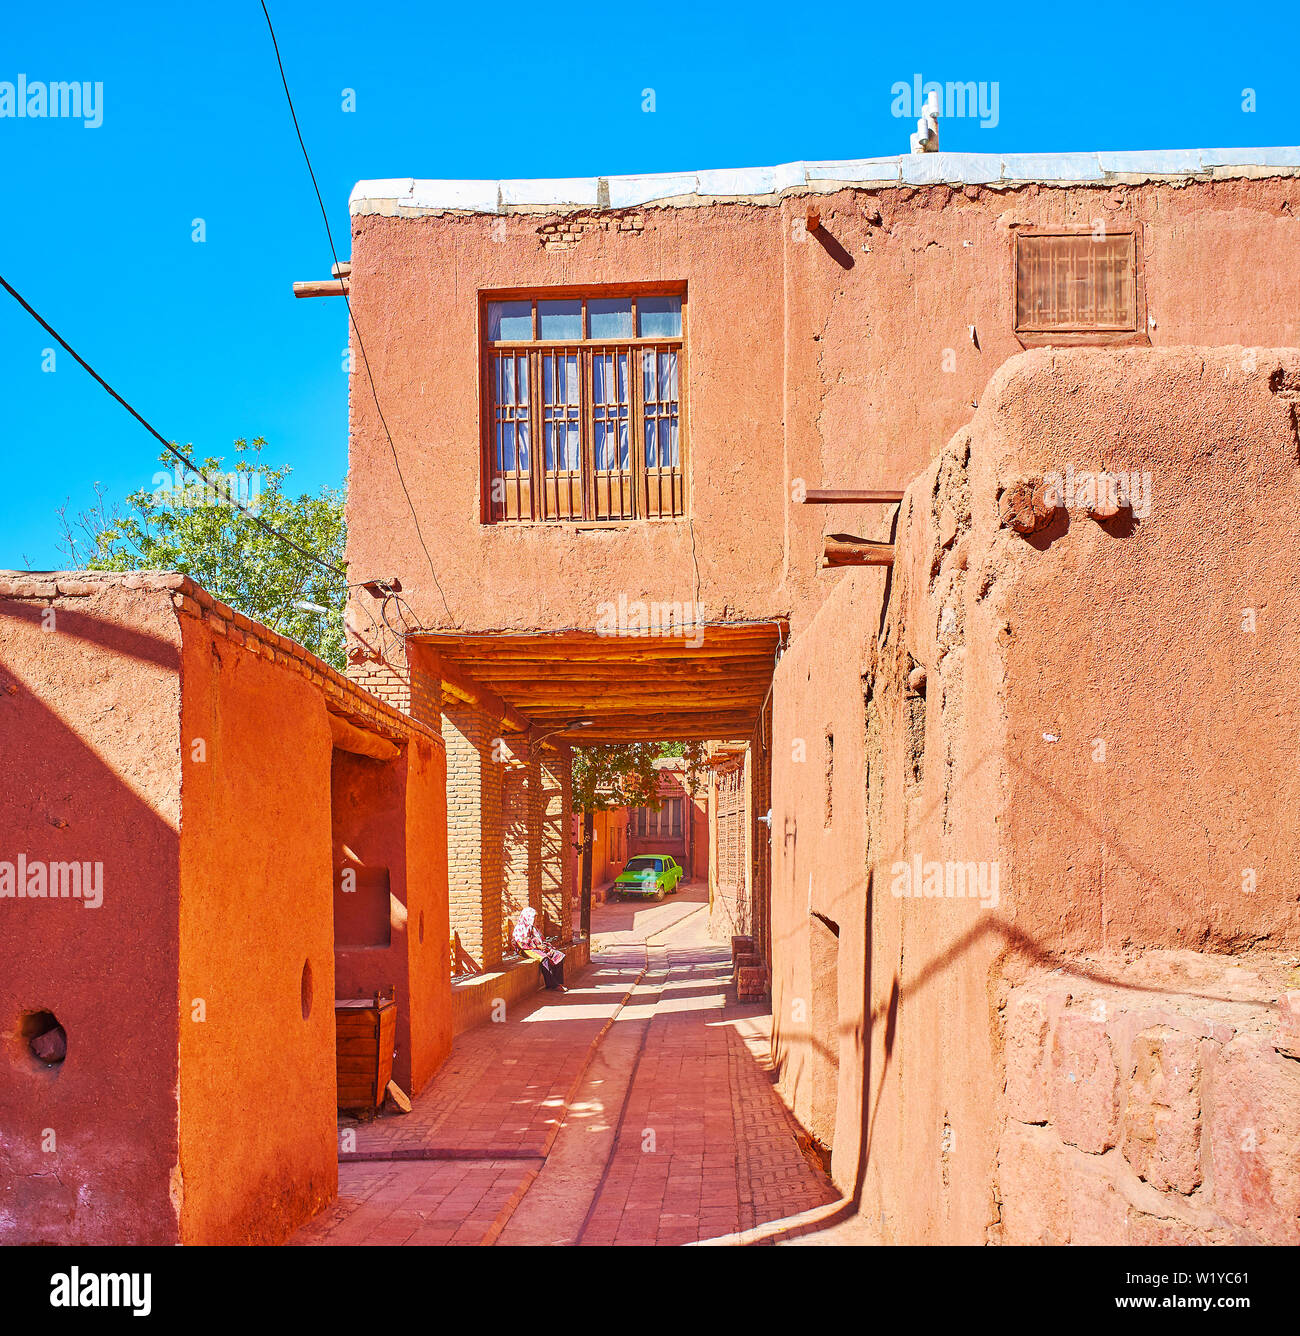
(650,875)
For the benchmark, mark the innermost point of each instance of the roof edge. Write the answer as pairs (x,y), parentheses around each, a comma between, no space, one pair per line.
(408,196)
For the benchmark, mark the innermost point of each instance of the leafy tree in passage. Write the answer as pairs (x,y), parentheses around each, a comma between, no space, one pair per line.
(622,774)
(197,531)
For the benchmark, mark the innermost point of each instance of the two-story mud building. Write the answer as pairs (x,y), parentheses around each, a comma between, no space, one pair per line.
(611,409)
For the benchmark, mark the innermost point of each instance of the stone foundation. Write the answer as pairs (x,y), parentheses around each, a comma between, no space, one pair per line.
(1152,1101)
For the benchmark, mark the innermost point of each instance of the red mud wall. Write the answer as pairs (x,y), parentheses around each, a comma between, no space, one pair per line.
(844,358)
(1002,663)
(90,738)
(429,928)
(392,815)
(819,821)
(606,826)
(257,1083)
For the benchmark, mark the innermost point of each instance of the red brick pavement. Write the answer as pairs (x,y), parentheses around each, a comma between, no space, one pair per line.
(504,1086)
(704,1147)
(418,1204)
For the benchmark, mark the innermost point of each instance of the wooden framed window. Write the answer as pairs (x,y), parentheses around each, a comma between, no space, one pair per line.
(1077,284)
(584,414)
(666,823)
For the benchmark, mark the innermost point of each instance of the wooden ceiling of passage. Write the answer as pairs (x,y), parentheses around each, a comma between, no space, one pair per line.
(631,688)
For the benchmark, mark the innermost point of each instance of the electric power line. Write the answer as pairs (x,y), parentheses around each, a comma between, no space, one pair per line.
(374,394)
(153,431)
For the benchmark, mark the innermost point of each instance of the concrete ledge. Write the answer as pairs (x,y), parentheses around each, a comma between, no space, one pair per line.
(472,999)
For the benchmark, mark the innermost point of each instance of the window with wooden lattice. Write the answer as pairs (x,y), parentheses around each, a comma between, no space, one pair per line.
(584,410)
(731,850)
(666,823)
(1077,283)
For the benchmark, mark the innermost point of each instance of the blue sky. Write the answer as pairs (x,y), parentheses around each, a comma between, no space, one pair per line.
(206,338)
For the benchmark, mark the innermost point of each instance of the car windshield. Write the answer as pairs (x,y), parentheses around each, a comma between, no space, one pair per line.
(644,865)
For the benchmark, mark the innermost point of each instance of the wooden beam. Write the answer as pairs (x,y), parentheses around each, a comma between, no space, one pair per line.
(843,549)
(342,270)
(323,287)
(548,643)
(681,665)
(507,681)
(468,656)
(474,693)
(348,737)
(551,714)
(851,496)
(684,640)
(666,732)
(648,726)
(591,707)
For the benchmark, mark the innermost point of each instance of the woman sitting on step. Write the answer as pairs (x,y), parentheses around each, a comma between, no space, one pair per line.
(530,941)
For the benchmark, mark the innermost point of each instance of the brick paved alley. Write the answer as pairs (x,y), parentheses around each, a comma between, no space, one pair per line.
(635,1109)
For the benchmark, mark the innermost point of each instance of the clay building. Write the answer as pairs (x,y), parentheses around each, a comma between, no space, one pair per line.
(679,826)
(765,458)
(945,497)
(262,838)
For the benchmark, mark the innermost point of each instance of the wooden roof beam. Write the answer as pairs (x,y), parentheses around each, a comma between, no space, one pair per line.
(463,688)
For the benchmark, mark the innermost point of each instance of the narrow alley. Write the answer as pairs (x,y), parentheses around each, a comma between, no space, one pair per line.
(637,1108)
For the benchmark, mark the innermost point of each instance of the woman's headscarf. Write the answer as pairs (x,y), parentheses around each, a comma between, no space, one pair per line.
(525,928)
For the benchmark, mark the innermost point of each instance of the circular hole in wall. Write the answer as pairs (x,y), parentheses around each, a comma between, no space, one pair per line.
(45,1038)
(306,989)
(422,927)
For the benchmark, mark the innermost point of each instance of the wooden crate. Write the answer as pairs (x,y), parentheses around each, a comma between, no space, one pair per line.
(365,1032)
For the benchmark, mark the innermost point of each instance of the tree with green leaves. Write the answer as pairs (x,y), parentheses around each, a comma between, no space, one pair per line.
(622,774)
(186,524)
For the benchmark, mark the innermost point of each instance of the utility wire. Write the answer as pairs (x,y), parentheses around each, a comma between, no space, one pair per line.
(153,431)
(374,394)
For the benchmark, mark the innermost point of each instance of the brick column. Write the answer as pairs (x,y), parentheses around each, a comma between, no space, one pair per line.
(474,831)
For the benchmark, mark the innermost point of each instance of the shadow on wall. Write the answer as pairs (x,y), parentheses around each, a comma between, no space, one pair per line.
(146,748)
(1016,943)
(98,972)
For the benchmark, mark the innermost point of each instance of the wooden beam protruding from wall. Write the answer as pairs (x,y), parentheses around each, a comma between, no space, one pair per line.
(323,287)
(851,496)
(348,737)
(480,697)
(845,549)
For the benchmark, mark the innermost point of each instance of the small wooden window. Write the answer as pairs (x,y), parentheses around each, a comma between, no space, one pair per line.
(664,824)
(1079,283)
(584,413)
